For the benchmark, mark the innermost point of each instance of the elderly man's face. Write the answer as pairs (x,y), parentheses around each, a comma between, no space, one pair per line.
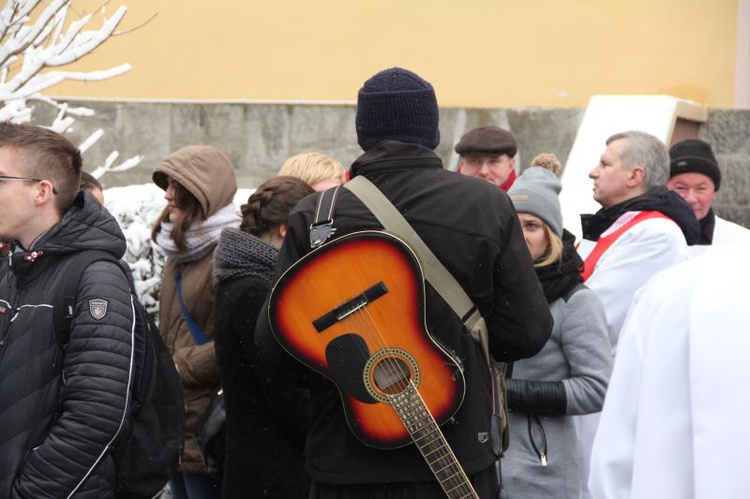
(493,168)
(695,188)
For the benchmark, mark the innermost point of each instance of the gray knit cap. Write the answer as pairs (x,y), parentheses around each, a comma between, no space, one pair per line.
(536,192)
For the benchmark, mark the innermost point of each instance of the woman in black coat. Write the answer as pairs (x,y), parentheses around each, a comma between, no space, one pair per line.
(266,422)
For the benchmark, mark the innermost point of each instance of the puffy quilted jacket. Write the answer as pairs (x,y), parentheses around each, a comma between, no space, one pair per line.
(61,410)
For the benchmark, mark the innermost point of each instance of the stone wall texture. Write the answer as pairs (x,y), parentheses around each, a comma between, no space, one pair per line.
(260,137)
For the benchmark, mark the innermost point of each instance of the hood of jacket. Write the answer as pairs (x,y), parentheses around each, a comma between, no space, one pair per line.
(204,171)
(659,199)
(86,225)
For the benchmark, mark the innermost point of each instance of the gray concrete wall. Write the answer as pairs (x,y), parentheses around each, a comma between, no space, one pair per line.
(728,132)
(259,137)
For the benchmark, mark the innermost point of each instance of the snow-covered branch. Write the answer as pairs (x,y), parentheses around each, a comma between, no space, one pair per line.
(37,35)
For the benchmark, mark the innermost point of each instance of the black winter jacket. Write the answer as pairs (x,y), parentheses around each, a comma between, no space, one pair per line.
(266,418)
(59,412)
(472,228)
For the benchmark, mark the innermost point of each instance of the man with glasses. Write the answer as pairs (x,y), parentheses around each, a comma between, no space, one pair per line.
(62,402)
(488,152)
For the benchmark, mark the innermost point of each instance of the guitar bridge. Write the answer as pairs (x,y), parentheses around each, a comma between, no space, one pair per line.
(342,311)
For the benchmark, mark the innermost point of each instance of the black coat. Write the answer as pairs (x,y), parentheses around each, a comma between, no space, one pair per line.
(266,418)
(473,229)
(60,412)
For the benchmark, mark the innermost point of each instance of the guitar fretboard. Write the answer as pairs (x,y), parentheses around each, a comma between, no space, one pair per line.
(431,443)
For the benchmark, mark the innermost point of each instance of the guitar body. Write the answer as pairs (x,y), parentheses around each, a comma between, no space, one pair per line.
(354,311)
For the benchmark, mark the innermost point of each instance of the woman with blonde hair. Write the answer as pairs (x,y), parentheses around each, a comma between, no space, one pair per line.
(569,376)
(321,172)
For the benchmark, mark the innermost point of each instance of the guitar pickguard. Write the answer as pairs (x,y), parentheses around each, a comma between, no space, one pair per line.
(354,311)
(347,356)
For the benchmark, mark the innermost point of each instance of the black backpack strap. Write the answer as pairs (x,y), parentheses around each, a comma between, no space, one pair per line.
(322,227)
(65,301)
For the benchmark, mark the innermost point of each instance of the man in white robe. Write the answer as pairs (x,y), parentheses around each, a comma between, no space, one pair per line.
(676,420)
(642,229)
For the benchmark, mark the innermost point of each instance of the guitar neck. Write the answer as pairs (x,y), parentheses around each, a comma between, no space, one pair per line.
(431,443)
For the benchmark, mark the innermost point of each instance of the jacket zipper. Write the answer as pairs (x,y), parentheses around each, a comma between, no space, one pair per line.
(541,453)
(7,325)
(11,314)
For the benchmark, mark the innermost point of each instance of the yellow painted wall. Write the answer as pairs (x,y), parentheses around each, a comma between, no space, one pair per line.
(477,53)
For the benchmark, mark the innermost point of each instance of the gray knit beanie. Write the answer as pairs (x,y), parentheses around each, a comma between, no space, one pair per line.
(536,192)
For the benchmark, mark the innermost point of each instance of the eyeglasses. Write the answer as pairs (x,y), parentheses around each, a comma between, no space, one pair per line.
(8,177)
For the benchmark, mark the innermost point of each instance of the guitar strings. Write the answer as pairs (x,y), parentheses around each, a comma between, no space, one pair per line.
(363,321)
(366,323)
(457,481)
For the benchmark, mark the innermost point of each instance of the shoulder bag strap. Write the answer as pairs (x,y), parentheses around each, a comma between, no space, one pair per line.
(435,272)
(67,296)
(199,336)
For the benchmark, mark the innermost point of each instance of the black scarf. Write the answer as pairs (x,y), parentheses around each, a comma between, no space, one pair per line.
(658,199)
(708,224)
(560,277)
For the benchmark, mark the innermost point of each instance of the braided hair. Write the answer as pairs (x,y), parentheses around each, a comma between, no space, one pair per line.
(268,207)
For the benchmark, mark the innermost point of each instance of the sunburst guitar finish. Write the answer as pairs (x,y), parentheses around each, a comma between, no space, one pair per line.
(354,311)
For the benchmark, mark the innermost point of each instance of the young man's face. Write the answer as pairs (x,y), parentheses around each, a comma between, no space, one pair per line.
(611,180)
(695,188)
(16,198)
(493,168)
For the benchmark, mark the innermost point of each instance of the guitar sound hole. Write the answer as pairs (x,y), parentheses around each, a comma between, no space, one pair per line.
(391,375)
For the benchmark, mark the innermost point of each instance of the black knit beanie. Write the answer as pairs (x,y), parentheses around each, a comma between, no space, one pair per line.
(397,104)
(694,156)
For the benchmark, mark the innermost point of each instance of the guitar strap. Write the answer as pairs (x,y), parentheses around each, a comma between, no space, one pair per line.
(435,272)
(322,227)
(449,289)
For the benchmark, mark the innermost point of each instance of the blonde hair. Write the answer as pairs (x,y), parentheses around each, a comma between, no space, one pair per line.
(313,167)
(554,248)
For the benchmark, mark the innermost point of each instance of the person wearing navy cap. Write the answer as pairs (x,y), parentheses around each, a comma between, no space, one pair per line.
(472,228)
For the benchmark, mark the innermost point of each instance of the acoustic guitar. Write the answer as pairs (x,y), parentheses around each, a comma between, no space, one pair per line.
(354,311)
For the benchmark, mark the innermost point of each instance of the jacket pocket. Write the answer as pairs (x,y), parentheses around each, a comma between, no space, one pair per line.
(537,437)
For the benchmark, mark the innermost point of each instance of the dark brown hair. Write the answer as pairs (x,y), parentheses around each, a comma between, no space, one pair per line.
(269,206)
(89,182)
(46,155)
(192,209)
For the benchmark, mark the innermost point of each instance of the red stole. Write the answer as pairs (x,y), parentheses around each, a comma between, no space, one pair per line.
(605,242)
